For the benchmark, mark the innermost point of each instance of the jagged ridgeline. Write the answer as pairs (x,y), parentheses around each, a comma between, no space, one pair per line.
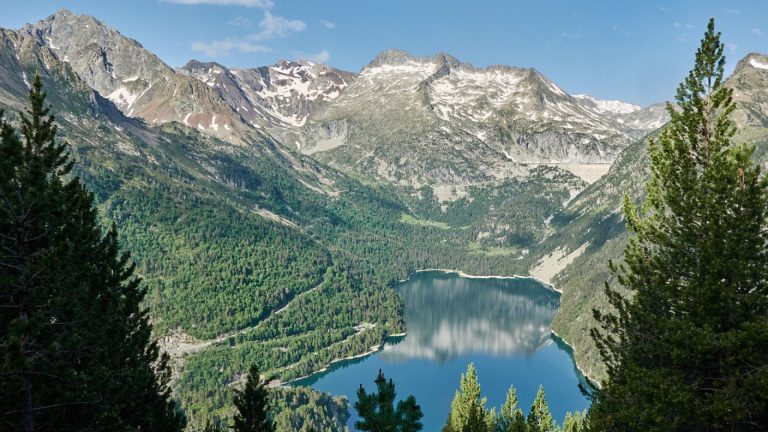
(268,209)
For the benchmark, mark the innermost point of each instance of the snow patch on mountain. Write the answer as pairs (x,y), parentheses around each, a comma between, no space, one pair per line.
(758,64)
(609,106)
(122,97)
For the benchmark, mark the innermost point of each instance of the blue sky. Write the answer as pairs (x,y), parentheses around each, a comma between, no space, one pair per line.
(632,50)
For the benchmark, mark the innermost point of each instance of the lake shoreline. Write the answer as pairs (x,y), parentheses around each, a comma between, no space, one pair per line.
(546,284)
(459,273)
(583,373)
(453,319)
(372,350)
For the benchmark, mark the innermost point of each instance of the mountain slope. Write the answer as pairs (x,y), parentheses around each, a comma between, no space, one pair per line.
(137,81)
(594,221)
(274,97)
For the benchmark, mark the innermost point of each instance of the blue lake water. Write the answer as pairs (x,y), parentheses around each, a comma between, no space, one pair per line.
(500,325)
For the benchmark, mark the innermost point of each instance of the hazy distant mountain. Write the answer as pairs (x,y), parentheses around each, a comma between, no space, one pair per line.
(635,117)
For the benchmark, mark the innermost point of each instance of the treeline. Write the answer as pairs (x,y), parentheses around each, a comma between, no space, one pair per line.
(300,409)
(469,413)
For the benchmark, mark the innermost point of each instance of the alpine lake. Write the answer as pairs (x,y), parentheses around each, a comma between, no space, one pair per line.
(502,325)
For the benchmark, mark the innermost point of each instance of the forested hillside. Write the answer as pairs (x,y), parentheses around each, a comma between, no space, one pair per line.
(226,235)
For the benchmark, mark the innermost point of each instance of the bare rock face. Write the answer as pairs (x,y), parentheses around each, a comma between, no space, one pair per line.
(137,81)
(407,120)
(435,120)
(277,98)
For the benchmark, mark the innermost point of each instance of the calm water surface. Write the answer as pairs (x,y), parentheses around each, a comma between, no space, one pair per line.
(500,325)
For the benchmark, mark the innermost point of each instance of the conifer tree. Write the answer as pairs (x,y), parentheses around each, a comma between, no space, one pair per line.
(511,418)
(490,420)
(574,422)
(688,349)
(539,417)
(475,421)
(467,407)
(252,405)
(76,351)
(378,413)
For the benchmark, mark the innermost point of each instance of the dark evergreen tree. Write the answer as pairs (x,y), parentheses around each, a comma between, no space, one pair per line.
(252,404)
(688,348)
(76,351)
(378,413)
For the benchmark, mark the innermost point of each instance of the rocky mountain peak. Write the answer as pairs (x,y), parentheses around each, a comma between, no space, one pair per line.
(752,62)
(398,57)
(390,57)
(750,92)
(101,55)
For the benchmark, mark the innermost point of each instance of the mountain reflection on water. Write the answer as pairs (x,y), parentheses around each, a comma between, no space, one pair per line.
(449,316)
(500,325)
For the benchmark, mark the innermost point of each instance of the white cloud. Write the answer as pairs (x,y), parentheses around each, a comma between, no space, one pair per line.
(664,8)
(320,57)
(623,30)
(240,21)
(330,25)
(732,47)
(273,26)
(223,48)
(680,25)
(261,4)
(757,31)
(733,11)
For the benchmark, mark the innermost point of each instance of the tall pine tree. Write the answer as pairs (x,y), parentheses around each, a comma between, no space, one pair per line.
(511,418)
(468,412)
(252,404)
(76,351)
(688,350)
(378,413)
(539,417)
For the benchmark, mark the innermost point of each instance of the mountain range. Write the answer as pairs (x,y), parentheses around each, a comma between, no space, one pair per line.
(268,208)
